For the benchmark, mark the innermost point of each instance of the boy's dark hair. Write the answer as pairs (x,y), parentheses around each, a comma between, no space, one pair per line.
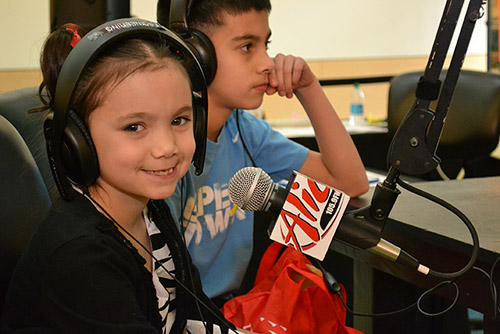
(209,13)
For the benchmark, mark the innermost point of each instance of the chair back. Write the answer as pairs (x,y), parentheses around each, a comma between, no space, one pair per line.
(14,106)
(472,127)
(24,200)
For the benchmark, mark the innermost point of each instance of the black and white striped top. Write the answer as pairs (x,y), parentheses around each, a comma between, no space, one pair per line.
(163,273)
(164,283)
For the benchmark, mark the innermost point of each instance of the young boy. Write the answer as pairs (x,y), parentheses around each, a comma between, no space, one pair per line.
(219,236)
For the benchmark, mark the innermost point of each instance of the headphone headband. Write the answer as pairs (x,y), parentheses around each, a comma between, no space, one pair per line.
(178,17)
(199,43)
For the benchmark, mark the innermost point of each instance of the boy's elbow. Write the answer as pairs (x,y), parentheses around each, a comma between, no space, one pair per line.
(358,188)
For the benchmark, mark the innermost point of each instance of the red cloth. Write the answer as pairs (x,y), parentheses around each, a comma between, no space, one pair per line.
(289,297)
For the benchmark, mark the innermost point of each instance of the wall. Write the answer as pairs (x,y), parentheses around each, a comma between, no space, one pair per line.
(313,29)
(325,29)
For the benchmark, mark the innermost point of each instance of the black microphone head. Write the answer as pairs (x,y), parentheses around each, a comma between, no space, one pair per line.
(250,188)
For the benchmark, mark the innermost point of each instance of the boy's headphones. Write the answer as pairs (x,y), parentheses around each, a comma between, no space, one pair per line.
(70,149)
(198,42)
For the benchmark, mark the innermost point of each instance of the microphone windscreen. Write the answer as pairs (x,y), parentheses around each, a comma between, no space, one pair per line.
(250,188)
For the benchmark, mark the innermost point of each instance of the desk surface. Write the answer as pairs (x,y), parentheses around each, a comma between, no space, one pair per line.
(303,129)
(477,198)
(440,240)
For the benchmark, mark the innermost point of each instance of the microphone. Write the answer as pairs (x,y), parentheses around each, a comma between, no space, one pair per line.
(307,215)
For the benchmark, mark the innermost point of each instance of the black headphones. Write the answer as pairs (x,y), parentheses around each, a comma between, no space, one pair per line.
(198,42)
(70,149)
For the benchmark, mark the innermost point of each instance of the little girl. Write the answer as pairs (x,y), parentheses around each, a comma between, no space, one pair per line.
(112,258)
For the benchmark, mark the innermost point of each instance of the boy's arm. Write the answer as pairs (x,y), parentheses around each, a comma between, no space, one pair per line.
(338,163)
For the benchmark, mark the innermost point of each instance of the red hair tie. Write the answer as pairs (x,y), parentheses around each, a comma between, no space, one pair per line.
(76,37)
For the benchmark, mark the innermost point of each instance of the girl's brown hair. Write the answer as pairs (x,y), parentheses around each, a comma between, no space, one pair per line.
(111,67)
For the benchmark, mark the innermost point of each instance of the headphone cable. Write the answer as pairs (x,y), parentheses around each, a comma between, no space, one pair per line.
(241,136)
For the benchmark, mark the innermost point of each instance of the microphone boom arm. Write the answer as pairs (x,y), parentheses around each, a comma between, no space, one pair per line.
(413,147)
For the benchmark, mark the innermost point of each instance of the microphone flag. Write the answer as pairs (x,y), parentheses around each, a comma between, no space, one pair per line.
(309,216)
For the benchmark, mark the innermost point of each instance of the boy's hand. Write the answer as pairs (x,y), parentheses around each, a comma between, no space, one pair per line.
(290,74)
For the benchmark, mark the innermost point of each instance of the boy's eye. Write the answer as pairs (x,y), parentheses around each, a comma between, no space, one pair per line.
(267,44)
(134,128)
(246,47)
(180,121)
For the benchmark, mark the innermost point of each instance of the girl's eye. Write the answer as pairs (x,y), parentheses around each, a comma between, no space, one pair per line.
(180,121)
(246,47)
(134,128)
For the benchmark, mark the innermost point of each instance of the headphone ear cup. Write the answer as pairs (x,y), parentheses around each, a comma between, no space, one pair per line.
(204,51)
(200,132)
(56,166)
(78,154)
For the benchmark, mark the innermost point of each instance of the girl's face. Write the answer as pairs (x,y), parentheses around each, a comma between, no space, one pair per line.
(143,134)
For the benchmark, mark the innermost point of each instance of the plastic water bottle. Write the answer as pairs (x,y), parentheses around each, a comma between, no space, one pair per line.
(357,105)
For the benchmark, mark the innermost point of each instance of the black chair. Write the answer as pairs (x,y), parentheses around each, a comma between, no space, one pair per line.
(14,106)
(472,128)
(24,200)
(26,187)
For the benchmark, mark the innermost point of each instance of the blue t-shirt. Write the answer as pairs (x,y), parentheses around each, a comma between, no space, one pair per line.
(219,236)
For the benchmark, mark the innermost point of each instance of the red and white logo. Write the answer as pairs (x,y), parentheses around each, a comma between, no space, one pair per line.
(310,216)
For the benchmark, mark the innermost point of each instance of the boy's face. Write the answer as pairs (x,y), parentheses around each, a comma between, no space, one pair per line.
(243,65)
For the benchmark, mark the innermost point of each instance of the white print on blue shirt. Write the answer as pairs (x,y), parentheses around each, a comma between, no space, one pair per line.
(215,222)
(220,236)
